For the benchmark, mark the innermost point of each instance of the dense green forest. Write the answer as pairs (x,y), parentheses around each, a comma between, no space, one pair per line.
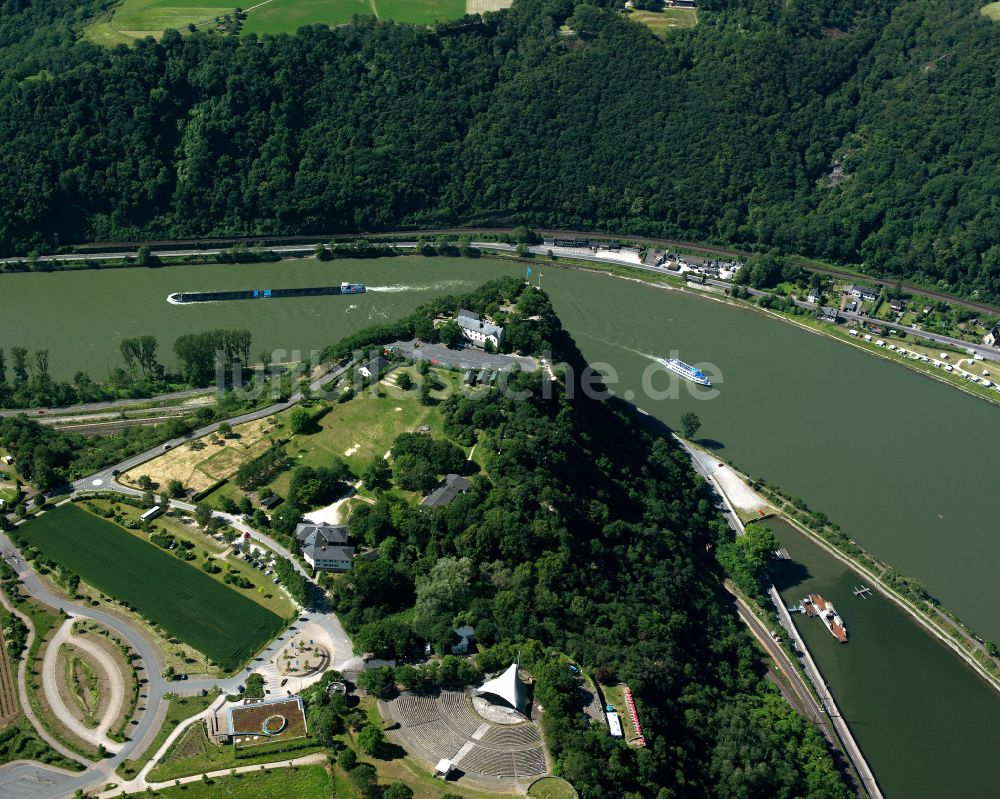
(602,551)
(860,131)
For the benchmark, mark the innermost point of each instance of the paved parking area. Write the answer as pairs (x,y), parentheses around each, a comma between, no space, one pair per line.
(24,780)
(465,358)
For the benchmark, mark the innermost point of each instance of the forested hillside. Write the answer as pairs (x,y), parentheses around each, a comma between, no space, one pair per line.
(859,131)
(595,538)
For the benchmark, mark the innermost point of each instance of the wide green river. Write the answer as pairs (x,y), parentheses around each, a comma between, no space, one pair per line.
(903,463)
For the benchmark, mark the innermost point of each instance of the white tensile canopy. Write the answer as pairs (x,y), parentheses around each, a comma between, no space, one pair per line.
(508,687)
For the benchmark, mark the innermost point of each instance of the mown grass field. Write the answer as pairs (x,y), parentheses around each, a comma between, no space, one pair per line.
(991,10)
(660,22)
(287,16)
(188,604)
(420,11)
(178,709)
(135,19)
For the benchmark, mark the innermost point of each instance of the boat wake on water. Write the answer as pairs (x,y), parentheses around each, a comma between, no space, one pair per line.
(620,346)
(675,365)
(400,288)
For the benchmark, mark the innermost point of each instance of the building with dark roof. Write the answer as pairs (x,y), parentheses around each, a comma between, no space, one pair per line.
(465,635)
(451,487)
(323,546)
(479,330)
(864,292)
(271,501)
(374,367)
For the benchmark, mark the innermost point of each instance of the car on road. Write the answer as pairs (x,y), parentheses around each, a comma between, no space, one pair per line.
(166,447)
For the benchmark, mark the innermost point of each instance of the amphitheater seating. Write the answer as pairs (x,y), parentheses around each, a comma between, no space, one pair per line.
(414,710)
(442,727)
(489,762)
(456,707)
(514,736)
(530,762)
(437,738)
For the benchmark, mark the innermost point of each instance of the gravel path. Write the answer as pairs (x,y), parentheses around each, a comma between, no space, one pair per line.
(115,681)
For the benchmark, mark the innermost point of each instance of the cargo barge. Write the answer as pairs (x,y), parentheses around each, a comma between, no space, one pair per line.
(184,297)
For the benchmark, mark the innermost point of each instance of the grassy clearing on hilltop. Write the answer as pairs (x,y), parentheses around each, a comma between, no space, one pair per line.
(660,22)
(358,431)
(188,604)
(135,19)
(287,16)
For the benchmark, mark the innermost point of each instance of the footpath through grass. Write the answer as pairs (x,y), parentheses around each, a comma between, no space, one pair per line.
(189,605)
(194,753)
(178,709)
(301,782)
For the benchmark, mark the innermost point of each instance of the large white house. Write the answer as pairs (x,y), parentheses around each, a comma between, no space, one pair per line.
(479,330)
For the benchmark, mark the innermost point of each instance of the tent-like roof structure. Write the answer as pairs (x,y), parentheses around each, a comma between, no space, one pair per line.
(508,687)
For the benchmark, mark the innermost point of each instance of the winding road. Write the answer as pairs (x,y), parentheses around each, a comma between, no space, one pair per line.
(41,782)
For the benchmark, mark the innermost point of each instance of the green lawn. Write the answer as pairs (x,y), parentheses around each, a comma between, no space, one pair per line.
(552,788)
(287,16)
(187,603)
(669,19)
(303,782)
(364,427)
(420,11)
(138,18)
(991,10)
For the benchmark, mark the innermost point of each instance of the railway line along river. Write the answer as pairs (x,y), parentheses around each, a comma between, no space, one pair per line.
(904,464)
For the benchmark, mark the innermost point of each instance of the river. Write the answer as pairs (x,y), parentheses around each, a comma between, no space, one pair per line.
(86,313)
(903,463)
(923,721)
